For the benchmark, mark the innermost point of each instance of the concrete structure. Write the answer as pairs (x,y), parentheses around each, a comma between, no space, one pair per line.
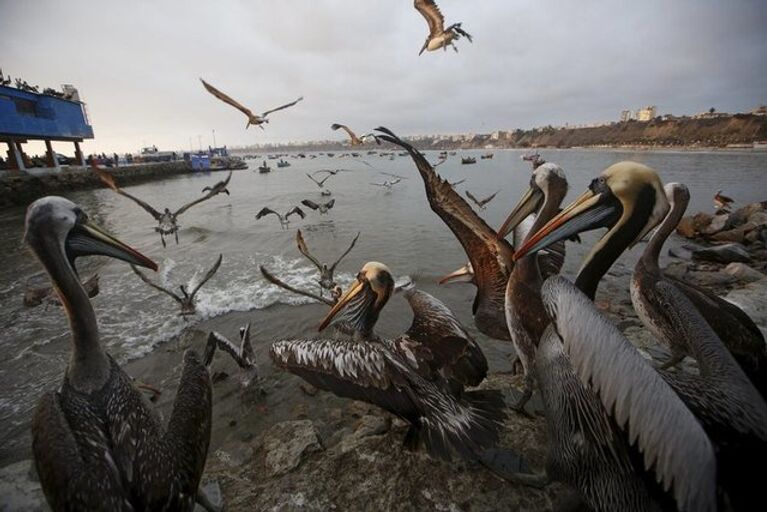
(646,113)
(625,116)
(26,115)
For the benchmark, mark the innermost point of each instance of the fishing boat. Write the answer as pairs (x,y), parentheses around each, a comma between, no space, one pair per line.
(468,160)
(283,163)
(263,169)
(487,156)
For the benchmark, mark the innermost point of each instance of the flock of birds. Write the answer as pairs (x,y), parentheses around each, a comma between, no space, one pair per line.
(625,433)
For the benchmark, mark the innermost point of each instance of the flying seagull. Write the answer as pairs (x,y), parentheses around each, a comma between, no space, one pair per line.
(439,36)
(168,220)
(323,207)
(186,300)
(481,202)
(253,119)
(326,280)
(353,139)
(284,219)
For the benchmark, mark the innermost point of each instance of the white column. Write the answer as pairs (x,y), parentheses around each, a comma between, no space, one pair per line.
(17,155)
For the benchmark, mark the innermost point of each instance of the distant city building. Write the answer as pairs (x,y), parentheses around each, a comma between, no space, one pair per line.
(646,113)
(761,110)
(625,116)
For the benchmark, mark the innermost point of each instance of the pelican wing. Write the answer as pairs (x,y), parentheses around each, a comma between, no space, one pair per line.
(432,14)
(343,255)
(282,284)
(304,249)
(154,285)
(490,258)
(455,183)
(330,204)
(267,211)
(295,210)
(488,199)
(227,99)
(210,273)
(352,135)
(109,180)
(671,439)
(214,191)
(471,196)
(239,354)
(281,107)
(310,204)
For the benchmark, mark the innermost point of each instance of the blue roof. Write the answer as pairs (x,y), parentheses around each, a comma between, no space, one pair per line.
(27,115)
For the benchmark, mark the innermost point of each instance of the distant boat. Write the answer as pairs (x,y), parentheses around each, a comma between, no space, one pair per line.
(283,163)
(263,169)
(468,160)
(487,156)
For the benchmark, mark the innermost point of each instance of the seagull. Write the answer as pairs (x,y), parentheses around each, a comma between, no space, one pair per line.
(722,202)
(326,280)
(168,220)
(253,119)
(481,202)
(322,207)
(186,300)
(243,355)
(284,219)
(439,36)
(388,184)
(353,139)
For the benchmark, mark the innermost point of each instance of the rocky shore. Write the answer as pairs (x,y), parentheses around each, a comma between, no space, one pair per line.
(21,188)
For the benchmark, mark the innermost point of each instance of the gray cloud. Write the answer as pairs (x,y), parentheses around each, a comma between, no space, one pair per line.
(532,63)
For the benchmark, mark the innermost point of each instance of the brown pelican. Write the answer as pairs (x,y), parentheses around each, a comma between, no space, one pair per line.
(326,280)
(220,186)
(186,300)
(96,443)
(736,329)
(35,296)
(335,293)
(413,376)
(490,258)
(481,202)
(439,36)
(168,220)
(253,119)
(353,139)
(722,202)
(284,219)
(534,159)
(243,354)
(322,207)
(321,183)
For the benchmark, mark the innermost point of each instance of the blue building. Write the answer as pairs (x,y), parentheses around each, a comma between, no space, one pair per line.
(26,116)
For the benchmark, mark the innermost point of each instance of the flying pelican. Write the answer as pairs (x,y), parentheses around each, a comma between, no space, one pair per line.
(439,36)
(322,207)
(453,183)
(168,220)
(96,443)
(331,172)
(481,202)
(412,376)
(253,119)
(387,184)
(335,293)
(284,219)
(243,355)
(220,186)
(326,280)
(353,139)
(735,328)
(321,183)
(186,300)
(490,258)
(722,202)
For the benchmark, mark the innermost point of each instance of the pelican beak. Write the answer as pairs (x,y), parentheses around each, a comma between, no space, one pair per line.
(527,205)
(462,275)
(88,239)
(589,211)
(355,289)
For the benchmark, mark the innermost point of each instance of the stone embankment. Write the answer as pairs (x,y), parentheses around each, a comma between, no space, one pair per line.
(20,189)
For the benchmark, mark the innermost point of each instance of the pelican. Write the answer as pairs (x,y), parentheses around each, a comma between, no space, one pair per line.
(321,183)
(326,280)
(722,202)
(335,293)
(452,183)
(481,203)
(417,376)
(490,257)
(736,329)
(243,354)
(186,300)
(97,445)
(284,219)
(219,187)
(534,159)
(332,172)
(168,220)
(353,139)
(33,297)
(439,36)
(323,208)
(253,119)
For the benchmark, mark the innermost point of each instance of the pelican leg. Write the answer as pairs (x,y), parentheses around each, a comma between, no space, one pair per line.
(175,233)
(162,238)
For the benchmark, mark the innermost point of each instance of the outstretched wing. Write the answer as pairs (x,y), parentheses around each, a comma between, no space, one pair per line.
(330,204)
(347,251)
(315,181)
(155,285)
(214,191)
(488,199)
(207,275)
(672,440)
(109,180)
(226,99)
(471,196)
(304,249)
(455,183)
(336,126)
(266,211)
(298,211)
(432,14)
(282,284)
(281,107)
(309,203)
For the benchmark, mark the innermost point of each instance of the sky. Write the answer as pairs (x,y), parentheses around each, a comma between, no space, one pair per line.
(532,63)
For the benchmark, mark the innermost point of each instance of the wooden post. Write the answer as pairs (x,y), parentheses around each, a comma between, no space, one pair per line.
(51,156)
(79,154)
(24,159)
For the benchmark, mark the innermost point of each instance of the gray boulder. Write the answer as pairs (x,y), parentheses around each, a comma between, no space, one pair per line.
(286,444)
(743,272)
(726,253)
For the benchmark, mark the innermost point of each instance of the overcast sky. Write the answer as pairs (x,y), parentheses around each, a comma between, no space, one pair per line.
(532,63)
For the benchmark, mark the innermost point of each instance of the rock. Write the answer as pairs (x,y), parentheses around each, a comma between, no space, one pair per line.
(717,224)
(726,253)
(683,253)
(370,425)
(743,215)
(752,299)
(212,493)
(743,272)
(759,218)
(686,228)
(701,221)
(708,279)
(286,444)
(734,235)
(19,491)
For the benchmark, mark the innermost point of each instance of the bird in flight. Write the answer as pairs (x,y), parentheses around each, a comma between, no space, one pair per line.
(321,183)
(244,355)
(353,139)
(481,202)
(284,219)
(253,119)
(439,36)
(322,207)
(327,280)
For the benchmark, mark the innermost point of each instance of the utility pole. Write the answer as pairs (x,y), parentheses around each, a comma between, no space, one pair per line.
(214,138)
